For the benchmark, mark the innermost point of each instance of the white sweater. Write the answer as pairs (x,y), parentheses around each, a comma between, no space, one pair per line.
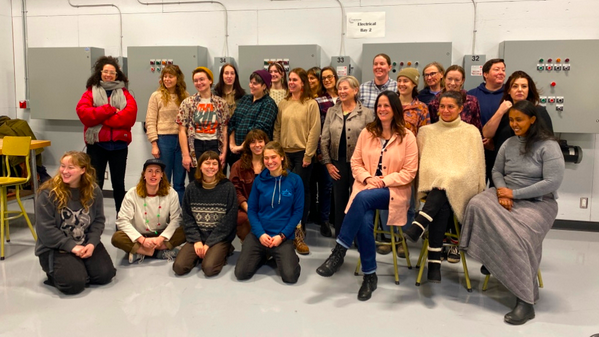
(132,216)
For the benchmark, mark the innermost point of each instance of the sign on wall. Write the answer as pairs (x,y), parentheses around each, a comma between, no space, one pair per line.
(363,25)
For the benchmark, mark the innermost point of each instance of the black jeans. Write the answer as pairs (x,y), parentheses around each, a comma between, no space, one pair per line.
(117,161)
(437,207)
(201,146)
(70,274)
(296,160)
(341,191)
(253,255)
(321,185)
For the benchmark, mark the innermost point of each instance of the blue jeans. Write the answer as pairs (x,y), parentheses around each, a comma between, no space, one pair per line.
(170,154)
(384,215)
(358,223)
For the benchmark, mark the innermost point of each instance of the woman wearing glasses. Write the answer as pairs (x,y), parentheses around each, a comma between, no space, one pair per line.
(433,77)
(108,111)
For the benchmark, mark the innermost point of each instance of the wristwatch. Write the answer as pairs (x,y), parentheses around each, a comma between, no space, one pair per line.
(283,237)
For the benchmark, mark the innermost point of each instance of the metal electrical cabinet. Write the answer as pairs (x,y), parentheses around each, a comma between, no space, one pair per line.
(416,55)
(57,78)
(562,71)
(252,58)
(146,63)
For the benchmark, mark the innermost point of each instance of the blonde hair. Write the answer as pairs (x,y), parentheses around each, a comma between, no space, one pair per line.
(163,187)
(60,192)
(180,87)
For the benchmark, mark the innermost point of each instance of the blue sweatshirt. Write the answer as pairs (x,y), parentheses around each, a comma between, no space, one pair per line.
(276,204)
(488,101)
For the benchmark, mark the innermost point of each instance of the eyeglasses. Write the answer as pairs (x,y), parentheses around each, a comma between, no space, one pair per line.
(431,74)
(112,73)
(328,78)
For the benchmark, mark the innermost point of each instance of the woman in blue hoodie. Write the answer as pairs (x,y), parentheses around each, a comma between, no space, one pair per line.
(275,207)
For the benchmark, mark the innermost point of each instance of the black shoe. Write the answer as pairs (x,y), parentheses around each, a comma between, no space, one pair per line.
(521,313)
(434,272)
(484,270)
(325,229)
(333,262)
(413,233)
(368,286)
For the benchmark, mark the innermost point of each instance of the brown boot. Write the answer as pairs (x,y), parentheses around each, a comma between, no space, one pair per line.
(300,246)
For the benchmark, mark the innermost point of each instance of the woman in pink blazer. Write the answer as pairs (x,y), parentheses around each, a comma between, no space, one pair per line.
(384,164)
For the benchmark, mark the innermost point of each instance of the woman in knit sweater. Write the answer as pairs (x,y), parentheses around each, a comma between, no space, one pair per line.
(162,131)
(504,227)
(297,129)
(384,164)
(69,220)
(148,223)
(275,207)
(452,170)
(278,90)
(209,218)
(243,174)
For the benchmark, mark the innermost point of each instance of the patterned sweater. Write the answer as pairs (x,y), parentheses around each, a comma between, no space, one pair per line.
(210,215)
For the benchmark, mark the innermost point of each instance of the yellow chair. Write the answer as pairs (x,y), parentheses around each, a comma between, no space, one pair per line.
(424,252)
(15,147)
(394,237)
(538,275)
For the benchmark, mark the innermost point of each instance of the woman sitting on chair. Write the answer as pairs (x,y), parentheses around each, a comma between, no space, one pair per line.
(69,220)
(384,164)
(504,227)
(452,170)
(149,219)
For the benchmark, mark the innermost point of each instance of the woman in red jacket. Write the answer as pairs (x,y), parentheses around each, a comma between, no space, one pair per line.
(108,111)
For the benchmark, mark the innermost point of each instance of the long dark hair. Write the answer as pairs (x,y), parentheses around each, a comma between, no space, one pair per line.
(246,153)
(533,93)
(329,68)
(96,77)
(397,125)
(220,86)
(316,72)
(537,131)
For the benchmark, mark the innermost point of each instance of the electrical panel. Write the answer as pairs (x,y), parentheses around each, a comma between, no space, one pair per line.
(252,58)
(473,66)
(415,55)
(146,63)
(57,78)
(219,62)
(345,66)
(560,70)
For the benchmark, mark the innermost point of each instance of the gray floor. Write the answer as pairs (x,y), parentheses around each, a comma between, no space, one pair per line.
(148,300)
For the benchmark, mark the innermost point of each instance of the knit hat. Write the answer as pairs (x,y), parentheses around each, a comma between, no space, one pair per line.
(154,161)
(207,71)
(410,73)
(265,76)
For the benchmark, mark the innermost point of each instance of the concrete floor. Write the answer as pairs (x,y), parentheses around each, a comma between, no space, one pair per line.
(148,300)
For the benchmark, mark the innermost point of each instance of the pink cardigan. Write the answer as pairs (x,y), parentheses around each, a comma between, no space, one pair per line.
(400,164)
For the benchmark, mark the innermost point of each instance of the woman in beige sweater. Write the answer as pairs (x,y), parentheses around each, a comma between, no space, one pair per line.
(297,128)
(161,128)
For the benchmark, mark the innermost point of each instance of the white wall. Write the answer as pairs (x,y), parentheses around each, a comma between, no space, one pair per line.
(7,73)
(56,24)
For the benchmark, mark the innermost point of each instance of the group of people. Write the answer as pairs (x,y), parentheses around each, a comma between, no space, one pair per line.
(308,135)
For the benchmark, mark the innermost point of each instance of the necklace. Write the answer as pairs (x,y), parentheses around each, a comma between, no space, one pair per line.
(147,221)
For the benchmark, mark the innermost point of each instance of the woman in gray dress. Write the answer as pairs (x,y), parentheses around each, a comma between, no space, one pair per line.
(504,227)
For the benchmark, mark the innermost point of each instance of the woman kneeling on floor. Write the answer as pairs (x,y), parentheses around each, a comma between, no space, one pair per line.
(384,164)
(452,171)
(209,218)
(149,218)
(275,208)
(504,227)
(69,220)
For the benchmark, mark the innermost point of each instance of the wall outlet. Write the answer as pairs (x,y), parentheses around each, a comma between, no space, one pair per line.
(584,203)
(106,175)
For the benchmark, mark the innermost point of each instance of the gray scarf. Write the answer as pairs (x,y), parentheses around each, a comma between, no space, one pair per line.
(117,100)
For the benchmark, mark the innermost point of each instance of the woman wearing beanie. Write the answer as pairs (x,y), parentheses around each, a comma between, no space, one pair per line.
(297,129)
(202,121)
(162,131)
(256,110)
(108,111)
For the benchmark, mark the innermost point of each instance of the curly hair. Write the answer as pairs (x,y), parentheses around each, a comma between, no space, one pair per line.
(209,155)
(246,153)
(96,77)
(180,87)
(60,192)
(397,124)
(163,187)
(278,148)
(219,89)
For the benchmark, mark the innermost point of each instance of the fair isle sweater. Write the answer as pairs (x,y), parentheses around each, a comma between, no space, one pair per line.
(160,118)
(451,159)
(210,215)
